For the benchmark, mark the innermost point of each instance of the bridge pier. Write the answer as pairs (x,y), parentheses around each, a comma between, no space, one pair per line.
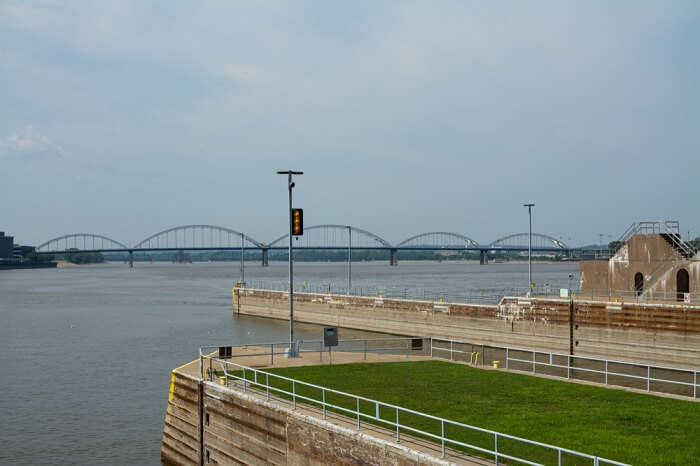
(265,257)
(131,259)
(483,257)
(394,258)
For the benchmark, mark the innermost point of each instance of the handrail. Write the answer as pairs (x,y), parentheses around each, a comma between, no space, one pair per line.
(407,348)
(569,367)
(358,414)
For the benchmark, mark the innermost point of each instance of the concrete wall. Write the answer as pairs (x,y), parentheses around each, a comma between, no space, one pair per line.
(183,421)
(649,255)
(237,428)
(666,334)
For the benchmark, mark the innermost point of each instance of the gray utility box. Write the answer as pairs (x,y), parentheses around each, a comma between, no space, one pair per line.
(330,336)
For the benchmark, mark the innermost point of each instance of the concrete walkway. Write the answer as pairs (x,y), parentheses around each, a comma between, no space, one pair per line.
(259,358)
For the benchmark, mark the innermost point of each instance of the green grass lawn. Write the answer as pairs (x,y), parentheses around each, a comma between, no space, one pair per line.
(623,426)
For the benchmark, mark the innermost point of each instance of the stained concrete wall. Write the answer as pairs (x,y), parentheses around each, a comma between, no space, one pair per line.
(183,421)
(650,255)
(237,428)
(666,334)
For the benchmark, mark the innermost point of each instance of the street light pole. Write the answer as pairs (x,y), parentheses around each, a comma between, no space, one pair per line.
(529,245)
(290,185)
(349,259)
(242,265)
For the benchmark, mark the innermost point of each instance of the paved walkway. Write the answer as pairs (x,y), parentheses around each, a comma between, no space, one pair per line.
(258,357)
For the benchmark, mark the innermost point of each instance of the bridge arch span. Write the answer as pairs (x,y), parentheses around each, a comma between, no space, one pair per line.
(442,239)
(76,240)
(335,236)
(196,236)
(539,240)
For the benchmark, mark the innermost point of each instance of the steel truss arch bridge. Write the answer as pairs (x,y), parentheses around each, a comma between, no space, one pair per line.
(520,240)
(325,236)
(76,240)
(332,236)
(439,240)
(197,237)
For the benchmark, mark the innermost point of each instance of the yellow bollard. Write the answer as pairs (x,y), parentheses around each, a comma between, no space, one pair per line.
(222,380)
(495,364)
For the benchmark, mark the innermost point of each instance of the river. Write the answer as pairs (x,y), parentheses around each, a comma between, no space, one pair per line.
(86,352)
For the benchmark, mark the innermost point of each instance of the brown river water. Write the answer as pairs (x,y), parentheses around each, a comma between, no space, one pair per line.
(86,352)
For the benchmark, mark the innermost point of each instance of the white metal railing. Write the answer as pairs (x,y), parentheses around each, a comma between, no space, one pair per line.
(687,377)
(572,368)
(398,345)
(261,380)
(668,227)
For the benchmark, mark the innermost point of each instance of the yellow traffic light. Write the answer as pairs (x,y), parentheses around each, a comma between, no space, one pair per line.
(297,222)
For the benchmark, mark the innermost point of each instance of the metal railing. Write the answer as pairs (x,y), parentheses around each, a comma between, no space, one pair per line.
(260,380)
(410,293)
(631,296)
(392,345)
(668,227)
(607,371)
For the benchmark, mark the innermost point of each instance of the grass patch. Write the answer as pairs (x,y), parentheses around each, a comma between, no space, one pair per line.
(629,427)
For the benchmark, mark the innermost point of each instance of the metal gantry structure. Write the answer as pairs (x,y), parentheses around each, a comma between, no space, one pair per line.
(317,237)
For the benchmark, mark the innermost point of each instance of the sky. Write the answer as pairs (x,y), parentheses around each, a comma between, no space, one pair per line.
(124,118)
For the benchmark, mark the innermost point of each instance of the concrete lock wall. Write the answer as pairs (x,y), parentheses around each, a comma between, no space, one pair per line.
(662,334)
(230,427)
(183,421)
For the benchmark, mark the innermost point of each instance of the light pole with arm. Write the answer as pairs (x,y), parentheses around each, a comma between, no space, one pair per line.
(529,245)
(349,258)
(290,185)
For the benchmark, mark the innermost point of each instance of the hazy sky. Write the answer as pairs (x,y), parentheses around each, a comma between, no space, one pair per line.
(126,118)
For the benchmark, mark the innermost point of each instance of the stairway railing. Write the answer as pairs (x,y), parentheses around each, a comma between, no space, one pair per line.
(675,237)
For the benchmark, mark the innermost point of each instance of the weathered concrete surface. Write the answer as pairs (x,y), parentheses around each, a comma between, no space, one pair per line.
(181,432)
(667,334)
(245,428)
(650,255)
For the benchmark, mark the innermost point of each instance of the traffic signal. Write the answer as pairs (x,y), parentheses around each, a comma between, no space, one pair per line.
(297,222)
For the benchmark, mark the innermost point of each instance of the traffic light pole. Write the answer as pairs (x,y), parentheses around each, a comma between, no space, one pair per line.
(292,344)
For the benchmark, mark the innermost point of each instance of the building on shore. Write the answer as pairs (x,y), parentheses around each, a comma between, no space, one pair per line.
(652,263)
(6,246)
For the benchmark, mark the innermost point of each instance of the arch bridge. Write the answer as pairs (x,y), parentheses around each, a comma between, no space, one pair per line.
(197,237)
(519,241)
(82,241)
(200,237)
(438,240)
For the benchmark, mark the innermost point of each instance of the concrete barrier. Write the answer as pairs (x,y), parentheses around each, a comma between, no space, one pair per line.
(661,334)
(207,423)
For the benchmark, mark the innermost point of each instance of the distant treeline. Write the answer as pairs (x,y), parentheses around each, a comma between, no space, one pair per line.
(307,255)
(72,257)
(82,257)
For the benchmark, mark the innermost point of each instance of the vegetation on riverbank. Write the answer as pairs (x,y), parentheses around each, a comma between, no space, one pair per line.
(616,424)
(327,256)
(82,257)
